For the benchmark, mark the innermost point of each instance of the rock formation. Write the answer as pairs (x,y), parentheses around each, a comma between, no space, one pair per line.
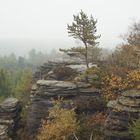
(122,111)
(57,79)
(9,117)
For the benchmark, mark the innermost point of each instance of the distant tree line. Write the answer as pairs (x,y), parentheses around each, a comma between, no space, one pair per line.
(16,72)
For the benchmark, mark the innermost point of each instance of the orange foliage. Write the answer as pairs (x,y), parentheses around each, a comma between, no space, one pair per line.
(114,84)
(133,78)
(61,124)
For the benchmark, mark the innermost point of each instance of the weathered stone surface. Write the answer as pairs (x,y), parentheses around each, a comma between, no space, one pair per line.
(81,67)
(75,94)
(71,94)
(78,68)
(133,102)
(132,94)
(55,83)
(63,73)
(9,117)
(4,133)
(122,111)
(43,71)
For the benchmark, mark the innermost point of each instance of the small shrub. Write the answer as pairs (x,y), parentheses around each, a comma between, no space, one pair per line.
(91,125)
(135,129)
(61,125)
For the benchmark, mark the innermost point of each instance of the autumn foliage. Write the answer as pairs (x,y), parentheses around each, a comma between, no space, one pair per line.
(115,84)
(60,125)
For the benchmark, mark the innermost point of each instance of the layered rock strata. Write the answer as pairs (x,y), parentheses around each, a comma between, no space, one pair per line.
(43,71)
(53,70)
(80,96)
(122,112)
(9,118)
(61,79)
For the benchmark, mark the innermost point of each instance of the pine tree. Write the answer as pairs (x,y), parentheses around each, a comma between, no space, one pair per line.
(84,29)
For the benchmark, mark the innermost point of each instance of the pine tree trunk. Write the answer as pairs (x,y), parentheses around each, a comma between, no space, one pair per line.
(86,57)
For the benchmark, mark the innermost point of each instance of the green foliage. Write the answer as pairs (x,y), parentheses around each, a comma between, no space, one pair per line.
(23,84)
(95,75)
(8,62)
(15,83)
(84,29)
(94,53)
(4,83)
(135,129)
(79,50)
(15,76)
(15,79)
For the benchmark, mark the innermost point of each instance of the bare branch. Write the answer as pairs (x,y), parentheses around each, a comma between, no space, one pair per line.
(75,136)
(91,136)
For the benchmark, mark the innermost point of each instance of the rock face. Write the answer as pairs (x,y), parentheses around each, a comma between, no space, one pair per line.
(78,94)
(54,70)
(9,117)
(122,111)
(62,69)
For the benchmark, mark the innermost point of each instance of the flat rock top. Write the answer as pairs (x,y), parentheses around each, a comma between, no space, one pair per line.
(90,90)
(132,93)
(118,107)
(79,68)
(55,83)
(34,87)
(112,104)
(9,102)
(133,102)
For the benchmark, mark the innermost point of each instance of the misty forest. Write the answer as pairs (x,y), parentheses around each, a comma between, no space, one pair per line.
(83,92)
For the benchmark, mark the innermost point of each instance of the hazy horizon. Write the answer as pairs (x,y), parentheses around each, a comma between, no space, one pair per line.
(42,24)
(21,47)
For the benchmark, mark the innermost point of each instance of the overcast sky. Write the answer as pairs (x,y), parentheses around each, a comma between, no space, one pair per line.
(42,23)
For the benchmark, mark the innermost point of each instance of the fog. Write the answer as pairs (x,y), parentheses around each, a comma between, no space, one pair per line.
(41,24)
(21,47)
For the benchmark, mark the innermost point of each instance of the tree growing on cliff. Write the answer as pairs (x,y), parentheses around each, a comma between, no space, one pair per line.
(84,29)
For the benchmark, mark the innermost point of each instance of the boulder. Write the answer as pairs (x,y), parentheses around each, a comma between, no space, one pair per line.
(9,117)
(122,112)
